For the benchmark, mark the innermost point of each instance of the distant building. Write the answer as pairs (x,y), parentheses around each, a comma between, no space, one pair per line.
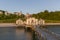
(19,22)
(28,15)
(18,13)
(32,21)
(41,21)
(2,12)
(6,13)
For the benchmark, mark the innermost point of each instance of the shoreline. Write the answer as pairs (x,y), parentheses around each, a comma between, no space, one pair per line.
(8,25)
(52,23)
(14,25)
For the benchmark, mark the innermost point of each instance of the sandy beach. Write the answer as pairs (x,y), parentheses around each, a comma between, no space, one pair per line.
(8,25)
(14,25)
(52,23)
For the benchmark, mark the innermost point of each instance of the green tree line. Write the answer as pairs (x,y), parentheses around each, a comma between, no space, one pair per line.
(47,15)
(53,16)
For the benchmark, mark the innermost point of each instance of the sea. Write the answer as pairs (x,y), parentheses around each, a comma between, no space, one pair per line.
(13,33)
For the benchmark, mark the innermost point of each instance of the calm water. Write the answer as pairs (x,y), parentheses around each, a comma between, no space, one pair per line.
(54,28)
(10,33)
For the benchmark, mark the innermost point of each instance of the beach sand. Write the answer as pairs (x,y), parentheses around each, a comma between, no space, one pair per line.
(14,25)
(52,23)
(8,25)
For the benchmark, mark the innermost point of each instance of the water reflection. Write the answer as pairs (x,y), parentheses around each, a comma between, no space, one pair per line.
(23,35)
(7,33)
(11,33)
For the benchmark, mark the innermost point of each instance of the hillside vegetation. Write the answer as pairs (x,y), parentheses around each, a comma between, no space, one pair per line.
(46,15)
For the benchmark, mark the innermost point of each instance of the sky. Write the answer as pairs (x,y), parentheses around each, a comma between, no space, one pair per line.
(29,6)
